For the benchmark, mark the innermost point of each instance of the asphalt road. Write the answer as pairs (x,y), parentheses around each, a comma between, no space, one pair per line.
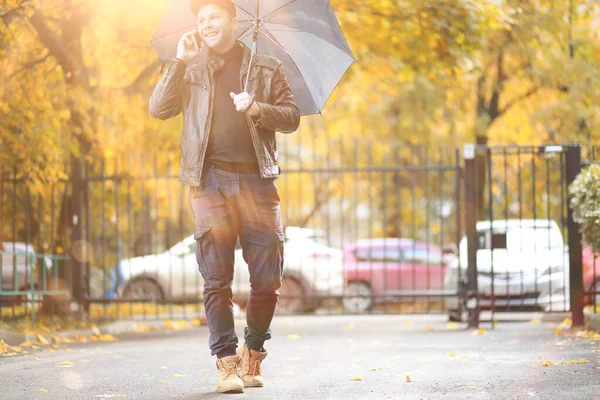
(324,357)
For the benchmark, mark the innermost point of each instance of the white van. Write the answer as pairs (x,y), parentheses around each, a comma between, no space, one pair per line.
(523,261)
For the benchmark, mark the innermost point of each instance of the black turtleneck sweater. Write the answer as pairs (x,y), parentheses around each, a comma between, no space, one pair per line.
(230,142)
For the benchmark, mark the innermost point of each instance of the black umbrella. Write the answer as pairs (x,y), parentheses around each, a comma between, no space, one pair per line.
(303,34)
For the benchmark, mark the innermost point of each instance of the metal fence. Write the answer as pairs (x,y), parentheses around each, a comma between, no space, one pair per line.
(370,227)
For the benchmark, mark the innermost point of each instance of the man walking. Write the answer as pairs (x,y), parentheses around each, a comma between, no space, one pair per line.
(229,159)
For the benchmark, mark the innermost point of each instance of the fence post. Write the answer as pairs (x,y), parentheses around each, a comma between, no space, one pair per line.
(76,227)
(573,167)
(471,231)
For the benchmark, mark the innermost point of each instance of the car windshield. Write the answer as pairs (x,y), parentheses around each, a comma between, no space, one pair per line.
(539,238)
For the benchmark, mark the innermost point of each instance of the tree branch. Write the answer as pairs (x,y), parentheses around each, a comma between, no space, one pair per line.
(29,65)
(49,39)
(517,99)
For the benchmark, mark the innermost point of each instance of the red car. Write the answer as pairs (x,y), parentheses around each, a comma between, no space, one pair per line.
(591,274)
(377,269)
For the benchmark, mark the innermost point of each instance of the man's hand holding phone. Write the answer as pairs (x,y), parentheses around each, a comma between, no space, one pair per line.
(189,46)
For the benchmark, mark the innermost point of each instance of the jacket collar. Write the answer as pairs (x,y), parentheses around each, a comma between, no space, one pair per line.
(215,62)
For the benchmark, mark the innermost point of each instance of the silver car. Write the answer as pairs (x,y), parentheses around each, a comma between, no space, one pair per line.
(524,262)
(312,271)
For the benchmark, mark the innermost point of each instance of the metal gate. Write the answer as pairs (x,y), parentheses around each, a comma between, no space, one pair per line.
(370,228)
(523,250)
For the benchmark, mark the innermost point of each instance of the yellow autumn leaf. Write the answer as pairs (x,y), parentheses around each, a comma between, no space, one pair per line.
(451,354)
(96,330)
(42,339)
(407,324)
(557,331)
(349,327)
(179,375)
(293,336)
(356,378)
(429,328)
(65,363)
(408,379)
(535,321)
(42,390)
(547,364)
(452,325)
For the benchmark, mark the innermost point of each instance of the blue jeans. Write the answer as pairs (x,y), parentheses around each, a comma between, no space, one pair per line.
(226,206)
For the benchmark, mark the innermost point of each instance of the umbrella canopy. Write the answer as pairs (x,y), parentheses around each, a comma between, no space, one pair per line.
(303,34)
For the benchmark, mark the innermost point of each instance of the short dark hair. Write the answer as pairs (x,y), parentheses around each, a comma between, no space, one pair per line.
(196,5)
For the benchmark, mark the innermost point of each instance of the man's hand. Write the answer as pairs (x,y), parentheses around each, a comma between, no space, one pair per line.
(245,103)
(188,46)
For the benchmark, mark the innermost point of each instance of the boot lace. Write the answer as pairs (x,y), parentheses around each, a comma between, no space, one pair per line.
(254,367)
(230,368)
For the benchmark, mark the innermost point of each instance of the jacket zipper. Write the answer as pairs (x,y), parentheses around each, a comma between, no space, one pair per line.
(253,133)
(209,120)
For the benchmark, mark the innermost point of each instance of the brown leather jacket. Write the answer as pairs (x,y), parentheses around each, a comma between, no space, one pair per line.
(189,89)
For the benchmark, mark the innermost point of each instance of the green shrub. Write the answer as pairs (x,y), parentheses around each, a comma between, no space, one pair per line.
(585,202)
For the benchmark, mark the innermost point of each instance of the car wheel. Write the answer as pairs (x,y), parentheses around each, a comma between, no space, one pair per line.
(358,297)
(143,289)
(292,297)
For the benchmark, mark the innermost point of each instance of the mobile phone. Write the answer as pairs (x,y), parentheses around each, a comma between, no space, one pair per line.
(197,40)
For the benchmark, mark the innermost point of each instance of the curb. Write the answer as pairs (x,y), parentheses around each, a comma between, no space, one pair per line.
(593,319)
(111,328)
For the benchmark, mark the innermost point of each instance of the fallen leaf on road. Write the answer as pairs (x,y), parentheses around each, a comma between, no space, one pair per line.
(547,364)
(146,375)
(103,338)
(574,362)
(480,331)
(42,390)
(143,328)
(451,354)
(356,378)
(407,324)
(430,329)
(96,330)
(535,321)
(293,336)
(42,339)
(26,344)
(376,369)
(179,375)
(349,327)
(65,364)
(557,331)
(565,324)
(452,325)
(408,379)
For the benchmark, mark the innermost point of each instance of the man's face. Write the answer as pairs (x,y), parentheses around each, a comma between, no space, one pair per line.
(216,27)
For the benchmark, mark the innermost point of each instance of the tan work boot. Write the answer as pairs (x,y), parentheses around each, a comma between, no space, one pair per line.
(250,367)
(229,375)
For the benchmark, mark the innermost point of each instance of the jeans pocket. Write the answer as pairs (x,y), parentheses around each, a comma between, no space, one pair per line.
(279,253)
(206,254)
